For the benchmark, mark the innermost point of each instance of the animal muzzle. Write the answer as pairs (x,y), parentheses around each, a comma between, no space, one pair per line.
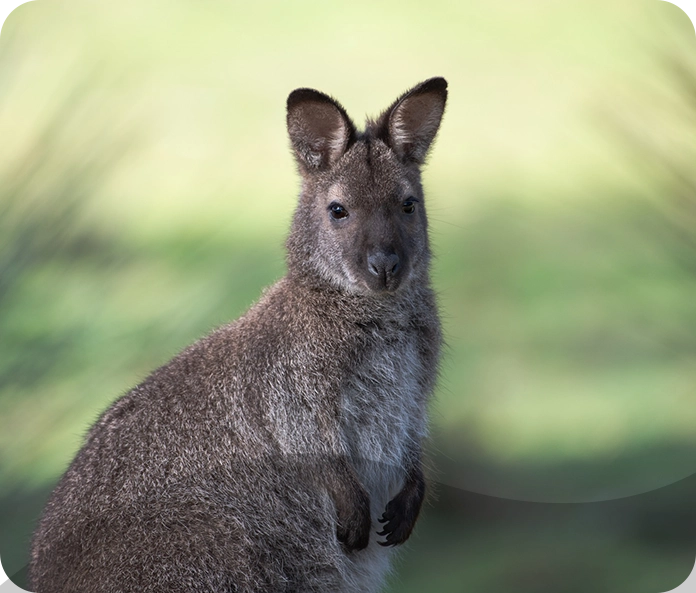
(384,270)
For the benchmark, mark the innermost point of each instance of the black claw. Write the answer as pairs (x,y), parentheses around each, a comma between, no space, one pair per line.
(401,512)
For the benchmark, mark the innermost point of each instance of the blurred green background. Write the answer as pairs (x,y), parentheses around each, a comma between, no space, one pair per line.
(146,186)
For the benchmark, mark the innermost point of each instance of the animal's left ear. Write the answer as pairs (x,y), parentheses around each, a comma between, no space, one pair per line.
(410,124)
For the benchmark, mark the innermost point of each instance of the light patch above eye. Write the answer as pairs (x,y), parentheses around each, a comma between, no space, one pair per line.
(407,191)
(336,193)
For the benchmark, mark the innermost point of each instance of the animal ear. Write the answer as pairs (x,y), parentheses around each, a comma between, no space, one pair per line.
(319,128)
(410,124)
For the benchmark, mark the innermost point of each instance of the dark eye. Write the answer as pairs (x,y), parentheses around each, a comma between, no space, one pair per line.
(337,211)
(409,206)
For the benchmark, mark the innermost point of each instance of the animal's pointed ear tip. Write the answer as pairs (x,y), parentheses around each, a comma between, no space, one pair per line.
(305,94)
(437,83)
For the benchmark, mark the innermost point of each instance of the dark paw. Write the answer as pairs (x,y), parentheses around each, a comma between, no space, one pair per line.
(397,525)
(355,524)
(401,513)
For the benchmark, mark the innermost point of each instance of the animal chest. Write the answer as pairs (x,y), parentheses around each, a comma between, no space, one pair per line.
(383,413)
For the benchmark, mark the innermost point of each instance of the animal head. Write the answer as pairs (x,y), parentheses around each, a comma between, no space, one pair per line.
(360,224)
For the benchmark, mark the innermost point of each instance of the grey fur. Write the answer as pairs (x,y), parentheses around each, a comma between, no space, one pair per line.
(265,457)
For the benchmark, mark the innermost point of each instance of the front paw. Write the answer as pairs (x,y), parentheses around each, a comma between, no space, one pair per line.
(355,522)
(402,511)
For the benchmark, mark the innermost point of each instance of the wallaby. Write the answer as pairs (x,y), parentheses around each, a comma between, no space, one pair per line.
(282,452)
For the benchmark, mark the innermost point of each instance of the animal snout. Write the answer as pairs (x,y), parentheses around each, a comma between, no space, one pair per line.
(385,267)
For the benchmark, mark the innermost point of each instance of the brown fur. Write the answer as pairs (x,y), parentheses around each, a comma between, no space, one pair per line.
(264,457)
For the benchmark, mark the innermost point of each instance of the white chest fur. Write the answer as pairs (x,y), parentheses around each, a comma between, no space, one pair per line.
(383,417)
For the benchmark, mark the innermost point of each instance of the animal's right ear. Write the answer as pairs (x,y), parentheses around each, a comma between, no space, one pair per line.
(319,128)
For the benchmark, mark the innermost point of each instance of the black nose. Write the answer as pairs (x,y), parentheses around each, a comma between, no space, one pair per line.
(383,265)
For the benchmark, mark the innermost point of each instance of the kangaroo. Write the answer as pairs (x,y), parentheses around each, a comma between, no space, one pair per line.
(282,452)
